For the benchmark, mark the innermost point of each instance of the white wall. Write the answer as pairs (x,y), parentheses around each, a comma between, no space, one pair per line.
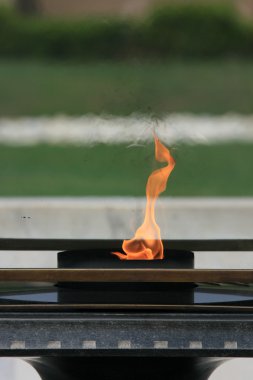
(118,218)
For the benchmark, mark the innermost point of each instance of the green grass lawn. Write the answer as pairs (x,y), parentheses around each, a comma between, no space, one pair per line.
(35,88)
(214,170)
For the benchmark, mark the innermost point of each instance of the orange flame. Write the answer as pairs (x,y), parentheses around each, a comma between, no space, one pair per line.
(147,243)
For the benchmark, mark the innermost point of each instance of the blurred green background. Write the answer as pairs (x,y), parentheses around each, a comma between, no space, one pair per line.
(30,88)
(214,170)
(169,57)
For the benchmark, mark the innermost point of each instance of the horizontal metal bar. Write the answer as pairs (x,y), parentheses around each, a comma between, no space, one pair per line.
(136,307)
(127,275)
(82,244)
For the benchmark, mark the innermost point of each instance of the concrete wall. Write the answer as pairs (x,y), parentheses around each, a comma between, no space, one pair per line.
(118,218)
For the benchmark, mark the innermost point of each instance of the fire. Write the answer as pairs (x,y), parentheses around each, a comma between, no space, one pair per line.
(146,243)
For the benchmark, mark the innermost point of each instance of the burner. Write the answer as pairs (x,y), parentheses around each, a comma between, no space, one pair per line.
(98,307)
(103,259)
(124,293)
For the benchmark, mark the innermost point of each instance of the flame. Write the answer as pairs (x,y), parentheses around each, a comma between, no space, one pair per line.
(147,243)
